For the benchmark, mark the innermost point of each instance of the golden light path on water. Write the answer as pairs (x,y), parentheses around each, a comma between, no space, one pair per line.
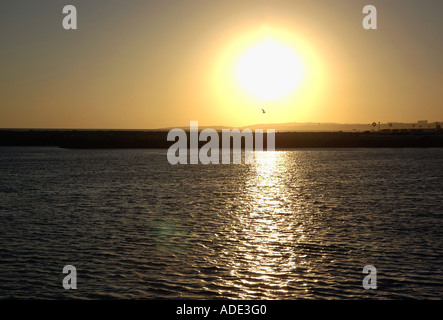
(263,261)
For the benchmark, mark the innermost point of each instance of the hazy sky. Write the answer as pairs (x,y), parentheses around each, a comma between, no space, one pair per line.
(151,64)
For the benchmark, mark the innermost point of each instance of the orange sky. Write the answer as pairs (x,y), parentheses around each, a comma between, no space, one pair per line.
(153,64)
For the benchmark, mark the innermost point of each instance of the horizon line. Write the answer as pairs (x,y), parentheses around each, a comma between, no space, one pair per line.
(228,126)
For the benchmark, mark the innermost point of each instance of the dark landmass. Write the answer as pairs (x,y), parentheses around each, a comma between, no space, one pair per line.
(100,139)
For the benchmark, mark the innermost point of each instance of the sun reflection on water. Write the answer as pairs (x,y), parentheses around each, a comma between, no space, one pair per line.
(263,260)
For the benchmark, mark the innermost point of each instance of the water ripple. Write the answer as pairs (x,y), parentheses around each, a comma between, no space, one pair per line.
(293,224)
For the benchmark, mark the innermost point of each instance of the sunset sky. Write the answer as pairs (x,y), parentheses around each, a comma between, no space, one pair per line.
(153,64)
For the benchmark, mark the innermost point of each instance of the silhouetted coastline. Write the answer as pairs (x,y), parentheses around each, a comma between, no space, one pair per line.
(101,139)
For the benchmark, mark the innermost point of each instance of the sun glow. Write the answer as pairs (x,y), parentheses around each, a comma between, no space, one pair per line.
(269,70)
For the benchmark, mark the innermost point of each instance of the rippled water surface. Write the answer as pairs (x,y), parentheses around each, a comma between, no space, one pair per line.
(298,224)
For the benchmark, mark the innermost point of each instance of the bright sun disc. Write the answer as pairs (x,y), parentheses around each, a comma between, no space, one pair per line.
(269,70)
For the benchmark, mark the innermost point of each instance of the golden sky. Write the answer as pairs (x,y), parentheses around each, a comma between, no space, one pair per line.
(153,64)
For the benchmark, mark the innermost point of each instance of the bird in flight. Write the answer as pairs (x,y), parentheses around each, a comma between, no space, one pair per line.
(263,110)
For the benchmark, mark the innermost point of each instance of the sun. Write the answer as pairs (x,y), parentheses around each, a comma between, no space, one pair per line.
(269,70)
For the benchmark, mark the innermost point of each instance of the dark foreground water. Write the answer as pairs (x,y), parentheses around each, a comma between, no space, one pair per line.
(292,225)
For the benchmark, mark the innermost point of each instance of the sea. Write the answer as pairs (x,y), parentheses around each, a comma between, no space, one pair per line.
(293,224)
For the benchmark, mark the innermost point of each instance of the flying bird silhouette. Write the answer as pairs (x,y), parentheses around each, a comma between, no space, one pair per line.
(263,110)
